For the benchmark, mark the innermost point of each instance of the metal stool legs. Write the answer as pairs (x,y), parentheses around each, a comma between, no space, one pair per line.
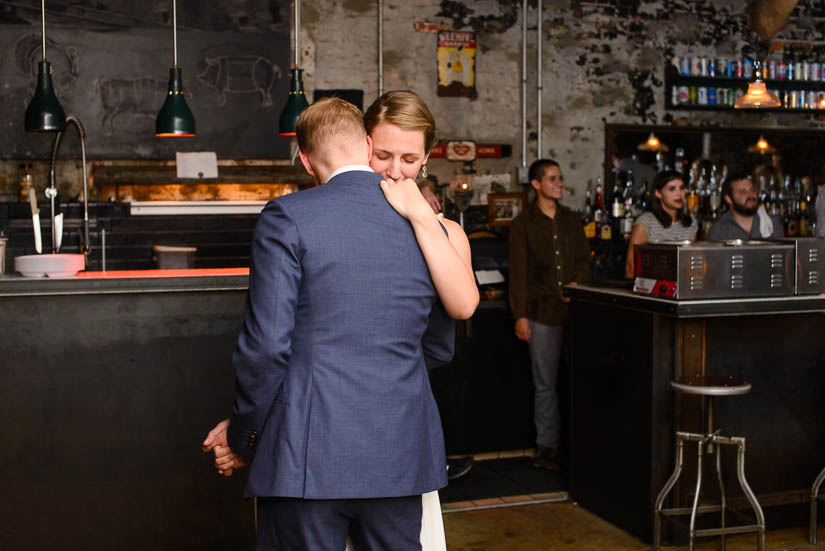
(660,499)
(722,502)
(814,494)
(713,441)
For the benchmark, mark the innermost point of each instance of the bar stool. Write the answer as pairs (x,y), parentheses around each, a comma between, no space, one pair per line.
(711,441)
(814,497)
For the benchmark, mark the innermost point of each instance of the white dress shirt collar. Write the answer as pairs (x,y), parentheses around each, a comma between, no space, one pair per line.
(349,168)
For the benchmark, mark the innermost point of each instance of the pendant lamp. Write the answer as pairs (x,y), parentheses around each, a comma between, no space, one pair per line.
(761,146)
(175,120)
(757,96)
(297,101)
(652,144)
(44,113)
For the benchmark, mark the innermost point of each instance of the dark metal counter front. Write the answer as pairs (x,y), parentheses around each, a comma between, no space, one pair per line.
(109,385)
(625,349)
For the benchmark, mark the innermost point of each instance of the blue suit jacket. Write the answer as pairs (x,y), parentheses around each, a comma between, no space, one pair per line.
(332,395)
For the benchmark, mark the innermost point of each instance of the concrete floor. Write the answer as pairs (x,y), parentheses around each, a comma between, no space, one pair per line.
(552,526)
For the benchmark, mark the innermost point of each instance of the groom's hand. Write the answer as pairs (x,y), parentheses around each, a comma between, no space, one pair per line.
(226,461)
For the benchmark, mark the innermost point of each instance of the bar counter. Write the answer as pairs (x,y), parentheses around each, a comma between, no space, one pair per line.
(623,351)
(127,281)
(110,381)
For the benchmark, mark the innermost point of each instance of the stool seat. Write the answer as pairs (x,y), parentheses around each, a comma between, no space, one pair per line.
(712,385)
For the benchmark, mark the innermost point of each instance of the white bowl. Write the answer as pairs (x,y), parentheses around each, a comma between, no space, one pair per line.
(51,265)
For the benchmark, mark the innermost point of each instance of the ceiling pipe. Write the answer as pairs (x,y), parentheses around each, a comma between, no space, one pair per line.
(380,48)
(538,80)
(524,84)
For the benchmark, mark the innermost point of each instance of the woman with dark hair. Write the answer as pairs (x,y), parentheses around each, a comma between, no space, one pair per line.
(666,220)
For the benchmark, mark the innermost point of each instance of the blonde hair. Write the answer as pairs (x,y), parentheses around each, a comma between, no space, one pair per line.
(325,122)
(405,110)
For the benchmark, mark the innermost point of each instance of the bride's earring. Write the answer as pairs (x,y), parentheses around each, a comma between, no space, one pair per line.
(424,170)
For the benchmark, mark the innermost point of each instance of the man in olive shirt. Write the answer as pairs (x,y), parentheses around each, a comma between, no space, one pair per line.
(548,249)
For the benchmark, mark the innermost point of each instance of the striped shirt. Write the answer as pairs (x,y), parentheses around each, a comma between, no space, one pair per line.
(675,232)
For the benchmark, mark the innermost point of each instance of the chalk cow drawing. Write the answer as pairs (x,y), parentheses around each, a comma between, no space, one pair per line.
(139,96)
(240,74)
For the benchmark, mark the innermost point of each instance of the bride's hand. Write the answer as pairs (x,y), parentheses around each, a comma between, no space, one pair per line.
(405,197)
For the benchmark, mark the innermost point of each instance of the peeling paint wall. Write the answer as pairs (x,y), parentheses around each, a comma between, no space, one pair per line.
(603,63)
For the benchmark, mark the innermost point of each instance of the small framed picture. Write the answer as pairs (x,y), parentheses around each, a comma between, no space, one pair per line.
(502,208)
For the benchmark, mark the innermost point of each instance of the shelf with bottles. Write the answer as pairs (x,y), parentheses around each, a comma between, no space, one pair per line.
(792,201)
(715,92)
(609,216)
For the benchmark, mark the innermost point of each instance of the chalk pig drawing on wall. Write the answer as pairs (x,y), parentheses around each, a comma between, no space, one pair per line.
(239,74)
(64,61)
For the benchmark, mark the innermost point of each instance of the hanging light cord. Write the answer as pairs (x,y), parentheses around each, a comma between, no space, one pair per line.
(297,33)
(43,24)
(174,30)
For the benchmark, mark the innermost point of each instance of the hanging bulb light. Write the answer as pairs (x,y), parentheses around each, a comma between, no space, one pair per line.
(44,113)
(652,144)
(175,120)
(297,101)
(757,96)
(761,146)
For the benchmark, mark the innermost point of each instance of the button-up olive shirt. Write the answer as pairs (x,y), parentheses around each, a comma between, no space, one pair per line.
(545,255)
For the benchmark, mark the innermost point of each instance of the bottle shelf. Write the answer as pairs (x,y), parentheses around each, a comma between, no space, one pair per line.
(674,78)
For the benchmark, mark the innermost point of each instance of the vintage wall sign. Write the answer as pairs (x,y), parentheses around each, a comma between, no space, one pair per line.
(457,64)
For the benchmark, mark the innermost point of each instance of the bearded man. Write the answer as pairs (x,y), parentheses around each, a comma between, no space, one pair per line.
(746,218)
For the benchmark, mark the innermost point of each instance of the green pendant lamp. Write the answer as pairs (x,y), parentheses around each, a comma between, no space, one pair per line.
(44,113)
(297,100)
(295,104)
(175,120)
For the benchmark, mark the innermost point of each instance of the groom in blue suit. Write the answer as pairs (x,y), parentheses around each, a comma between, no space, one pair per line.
(333,410)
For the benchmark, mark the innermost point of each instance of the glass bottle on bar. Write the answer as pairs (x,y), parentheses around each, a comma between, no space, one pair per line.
(619,192)
(772,197)
(598,203)
(804,221)
(24,176)
(679,160)
(692,201)
(601,215)
(589,221)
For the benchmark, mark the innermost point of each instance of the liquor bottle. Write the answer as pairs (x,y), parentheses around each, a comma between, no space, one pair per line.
(679,160)
(627,199)
(789,219)
(692,202)
(627,223)
(715,198)
(791,224)
(804,220)
(598,203)
(762,192)
(617,208)
(703,211)
(589,222)
(644,199)
(24,176)
(603,224)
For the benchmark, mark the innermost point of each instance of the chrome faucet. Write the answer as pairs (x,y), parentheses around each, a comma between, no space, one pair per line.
(51,192)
